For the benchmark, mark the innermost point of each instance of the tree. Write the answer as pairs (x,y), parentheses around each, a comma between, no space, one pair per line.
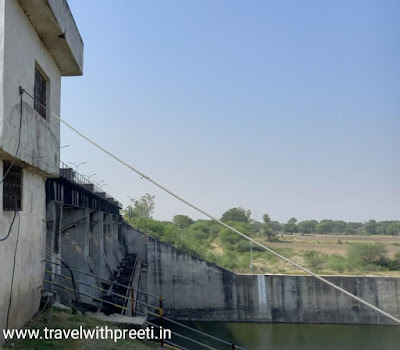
(370,227)
(266,218)
(353,228)
(393,228)
(325,226)
(128,213)
(142,207)
(182,221)
(275,225)
(267,229)
(307,226)
(367,253)
(236,214)
(291,227)
(338,226)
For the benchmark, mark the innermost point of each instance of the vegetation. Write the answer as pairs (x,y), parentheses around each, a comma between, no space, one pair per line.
(339,252)
(142,207)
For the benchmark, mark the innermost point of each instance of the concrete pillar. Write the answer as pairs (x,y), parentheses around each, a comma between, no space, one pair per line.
(112,248)
(75,249)
(54,212)
(97,245)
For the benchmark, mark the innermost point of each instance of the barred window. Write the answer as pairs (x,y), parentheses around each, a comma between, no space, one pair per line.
(40,93)
(12,187)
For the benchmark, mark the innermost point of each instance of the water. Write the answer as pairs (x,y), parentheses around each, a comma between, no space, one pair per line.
(277,336)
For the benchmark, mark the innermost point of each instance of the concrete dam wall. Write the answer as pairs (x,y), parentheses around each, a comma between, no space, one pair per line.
(86,240)
(197,290)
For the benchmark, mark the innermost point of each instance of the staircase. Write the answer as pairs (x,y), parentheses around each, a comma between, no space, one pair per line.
(127,278)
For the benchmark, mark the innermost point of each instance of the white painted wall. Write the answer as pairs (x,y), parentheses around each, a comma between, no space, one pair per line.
(29,267)
(20,50)
(23,49)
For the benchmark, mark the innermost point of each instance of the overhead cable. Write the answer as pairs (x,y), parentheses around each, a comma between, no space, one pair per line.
(142,175)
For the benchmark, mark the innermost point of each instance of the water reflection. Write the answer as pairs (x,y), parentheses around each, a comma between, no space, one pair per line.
(263,336)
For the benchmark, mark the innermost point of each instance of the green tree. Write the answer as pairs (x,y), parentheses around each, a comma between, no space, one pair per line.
(339,226)
(266,218)
(182,221)
(231,239)
(142,207)
(371,227)
(395,262)
(291,226)
(199,230)
(236,214)
(128,213)
(266,228)
(276,226)
(307,226)
(367,253)
(325,226)
(393,228)
(353,228)
(382,226)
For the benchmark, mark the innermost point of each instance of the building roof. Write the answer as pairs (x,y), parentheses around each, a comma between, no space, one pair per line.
(55,25)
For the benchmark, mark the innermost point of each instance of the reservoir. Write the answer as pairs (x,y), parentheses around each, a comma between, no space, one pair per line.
(279,336)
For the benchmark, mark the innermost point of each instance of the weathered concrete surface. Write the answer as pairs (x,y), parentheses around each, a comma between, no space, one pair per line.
(85,240)
(53,21)
(125,321)
(75,248)
(21,51)
(113,250)
(196,290)
(30,253)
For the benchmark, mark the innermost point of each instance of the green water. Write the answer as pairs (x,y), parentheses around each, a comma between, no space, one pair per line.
(263,336)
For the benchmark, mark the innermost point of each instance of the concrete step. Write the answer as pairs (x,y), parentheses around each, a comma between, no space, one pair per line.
(120,320)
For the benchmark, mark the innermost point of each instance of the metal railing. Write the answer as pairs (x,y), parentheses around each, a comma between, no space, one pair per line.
(158,314)
(70,174)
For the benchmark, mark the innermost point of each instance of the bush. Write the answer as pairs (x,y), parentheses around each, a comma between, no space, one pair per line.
(315,260)
(228,237)
(229,260)
(171,234)
(394,264)
(338,263)
(367,255)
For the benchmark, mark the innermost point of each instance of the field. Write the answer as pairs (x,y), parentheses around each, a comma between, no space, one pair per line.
(295,246)
(331,254)
(331,244)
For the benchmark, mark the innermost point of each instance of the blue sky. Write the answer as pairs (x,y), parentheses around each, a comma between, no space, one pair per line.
(290,108)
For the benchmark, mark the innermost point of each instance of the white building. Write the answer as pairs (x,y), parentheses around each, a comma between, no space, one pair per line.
(39,43)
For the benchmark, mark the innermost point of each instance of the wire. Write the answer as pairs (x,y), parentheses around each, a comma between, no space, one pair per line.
(217,220)
(12,222)
(15,255)
(78,300)
(21,91)
(16,212)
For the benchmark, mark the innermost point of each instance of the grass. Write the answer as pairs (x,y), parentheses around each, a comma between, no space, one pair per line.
(53,318)
(324,254)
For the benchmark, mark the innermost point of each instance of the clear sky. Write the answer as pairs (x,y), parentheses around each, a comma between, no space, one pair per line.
(290,108)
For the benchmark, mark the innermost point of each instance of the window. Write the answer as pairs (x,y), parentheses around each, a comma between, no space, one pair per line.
(12,187)
(40,93)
